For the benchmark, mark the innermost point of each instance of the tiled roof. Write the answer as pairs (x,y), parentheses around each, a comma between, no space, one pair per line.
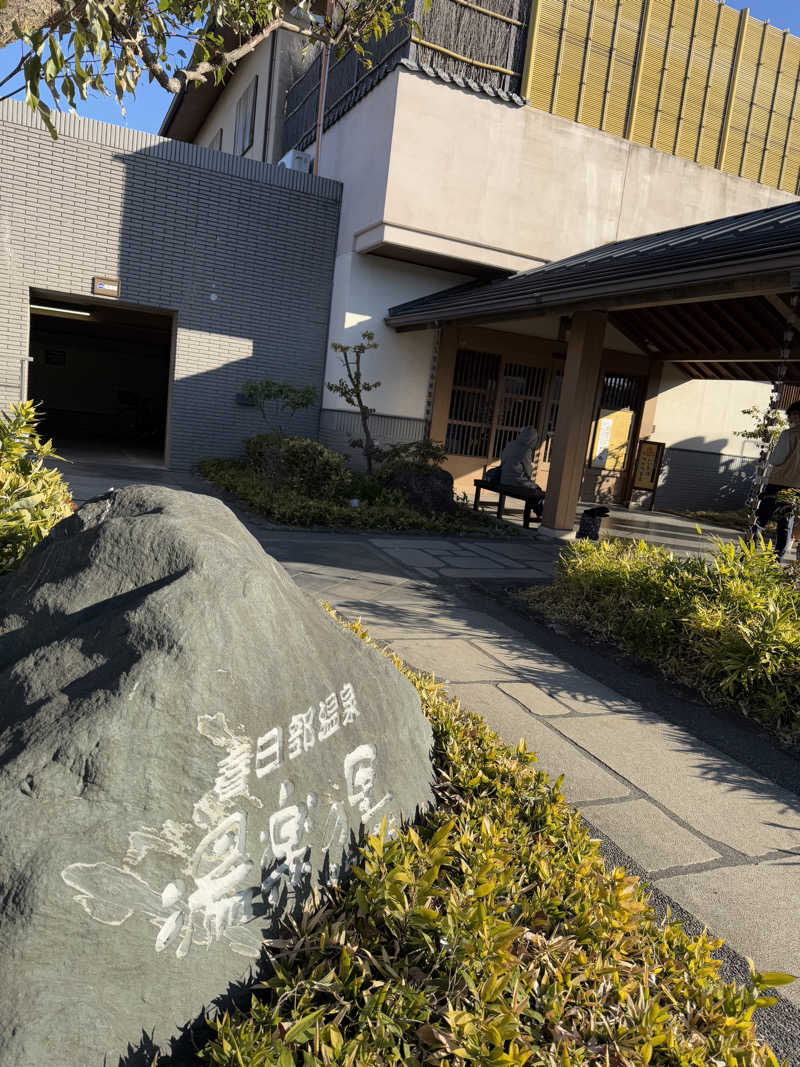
(728,248)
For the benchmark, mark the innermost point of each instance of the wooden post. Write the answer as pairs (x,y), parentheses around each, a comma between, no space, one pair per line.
(443,386)
(575,411)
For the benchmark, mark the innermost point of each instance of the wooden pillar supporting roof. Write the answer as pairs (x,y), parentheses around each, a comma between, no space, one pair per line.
(576,407)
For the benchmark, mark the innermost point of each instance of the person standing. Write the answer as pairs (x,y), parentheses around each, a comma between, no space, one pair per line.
(783,472)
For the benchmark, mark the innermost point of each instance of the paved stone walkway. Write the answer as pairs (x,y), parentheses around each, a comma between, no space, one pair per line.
(708,809)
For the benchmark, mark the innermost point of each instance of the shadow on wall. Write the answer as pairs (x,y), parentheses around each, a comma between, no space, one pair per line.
(698,476)
(232,258)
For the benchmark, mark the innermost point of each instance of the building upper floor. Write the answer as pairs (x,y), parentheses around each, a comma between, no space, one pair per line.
(647,124)
(691,78)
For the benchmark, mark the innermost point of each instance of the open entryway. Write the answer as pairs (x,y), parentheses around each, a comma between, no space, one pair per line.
(101,374)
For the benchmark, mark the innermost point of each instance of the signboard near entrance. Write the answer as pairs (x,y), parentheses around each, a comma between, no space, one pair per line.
(106,286)
(647,469)
(612,433)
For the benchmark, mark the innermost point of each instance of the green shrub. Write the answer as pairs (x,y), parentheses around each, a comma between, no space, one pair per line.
(490,933)
(298,465)
(728,626)
(33,498)
(417,455)
(379,508)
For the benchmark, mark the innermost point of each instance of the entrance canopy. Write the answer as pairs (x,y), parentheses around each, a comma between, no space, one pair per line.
(713,298)
(716,299)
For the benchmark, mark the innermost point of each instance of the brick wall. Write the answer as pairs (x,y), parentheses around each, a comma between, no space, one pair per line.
(176,223)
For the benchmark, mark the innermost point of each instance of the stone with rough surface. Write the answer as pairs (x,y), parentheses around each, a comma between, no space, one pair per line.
(427,490)
(187,742)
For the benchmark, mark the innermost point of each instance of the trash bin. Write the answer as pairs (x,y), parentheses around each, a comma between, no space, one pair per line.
(589,527)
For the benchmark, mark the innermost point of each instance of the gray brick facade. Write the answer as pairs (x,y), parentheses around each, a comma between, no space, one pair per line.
(175,223)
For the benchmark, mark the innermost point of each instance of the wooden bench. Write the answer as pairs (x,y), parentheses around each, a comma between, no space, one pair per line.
(531,497)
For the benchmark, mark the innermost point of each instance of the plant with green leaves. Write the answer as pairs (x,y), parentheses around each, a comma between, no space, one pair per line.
(71,50)
(490,933)
(298,465)
(282,396)
(303,484)
(788,502)
(423,456)
(768,425)
(352,389)
(729,626)
(33,497)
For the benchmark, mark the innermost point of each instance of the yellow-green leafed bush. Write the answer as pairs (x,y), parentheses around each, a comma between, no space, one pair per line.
(33,498)
(728,626)
(490,933)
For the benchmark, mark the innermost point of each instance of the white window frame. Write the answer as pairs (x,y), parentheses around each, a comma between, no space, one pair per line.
(244,133)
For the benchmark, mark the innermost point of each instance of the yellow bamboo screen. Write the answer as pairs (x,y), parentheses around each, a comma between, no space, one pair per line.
(694,78)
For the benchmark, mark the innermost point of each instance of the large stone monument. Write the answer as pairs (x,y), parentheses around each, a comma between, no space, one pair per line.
(187,744)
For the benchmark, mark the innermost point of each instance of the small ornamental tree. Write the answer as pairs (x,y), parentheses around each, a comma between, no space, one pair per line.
(768,425)
(284,395)
(352,389)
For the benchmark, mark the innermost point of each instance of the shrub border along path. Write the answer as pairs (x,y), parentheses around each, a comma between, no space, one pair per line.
(491,933)
(727,627)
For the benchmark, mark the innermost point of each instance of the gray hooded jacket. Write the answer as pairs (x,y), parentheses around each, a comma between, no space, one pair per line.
(517,458)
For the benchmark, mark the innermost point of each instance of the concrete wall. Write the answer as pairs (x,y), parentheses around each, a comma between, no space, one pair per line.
(525,182)
(702,416)
(240,253)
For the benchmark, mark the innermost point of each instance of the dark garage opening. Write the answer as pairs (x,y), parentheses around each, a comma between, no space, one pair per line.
(100,374)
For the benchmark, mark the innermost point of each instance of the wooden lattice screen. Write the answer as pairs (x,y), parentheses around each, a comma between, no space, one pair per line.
(491,401)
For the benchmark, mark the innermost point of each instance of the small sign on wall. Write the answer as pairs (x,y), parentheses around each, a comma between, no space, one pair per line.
(106,286)
(649,459)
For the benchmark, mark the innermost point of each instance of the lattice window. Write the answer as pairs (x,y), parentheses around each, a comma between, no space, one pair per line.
(491,401)
(552,416)
(469,424)
(524,390)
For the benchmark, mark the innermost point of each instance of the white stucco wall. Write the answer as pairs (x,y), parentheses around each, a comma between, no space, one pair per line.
(702,415)
(363,287)
(223,114)
(288,49)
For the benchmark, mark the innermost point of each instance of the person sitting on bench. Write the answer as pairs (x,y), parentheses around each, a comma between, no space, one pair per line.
(516,459)
(516,466)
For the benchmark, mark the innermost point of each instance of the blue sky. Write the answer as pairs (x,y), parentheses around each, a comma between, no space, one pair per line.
(147,109)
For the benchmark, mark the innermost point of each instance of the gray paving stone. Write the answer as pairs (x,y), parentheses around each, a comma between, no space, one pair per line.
(468,559)
(412,557)
(644,831)
(541,700)
(716,795)
(584,779)
(532,574)
(451,659)
(734,902)
(575,690)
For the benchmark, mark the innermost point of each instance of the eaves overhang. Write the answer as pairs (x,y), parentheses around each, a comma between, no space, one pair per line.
(757,252)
